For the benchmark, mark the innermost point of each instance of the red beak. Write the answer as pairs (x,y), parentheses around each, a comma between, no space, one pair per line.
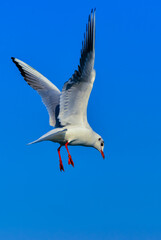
(102,153)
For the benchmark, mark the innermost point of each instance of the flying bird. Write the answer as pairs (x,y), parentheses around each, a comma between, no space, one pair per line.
(68,109)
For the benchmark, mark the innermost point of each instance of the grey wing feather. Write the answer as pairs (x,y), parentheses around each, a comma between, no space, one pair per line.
(49,93)
(75,94)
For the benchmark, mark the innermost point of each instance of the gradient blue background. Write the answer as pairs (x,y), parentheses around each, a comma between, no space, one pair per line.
(117,198)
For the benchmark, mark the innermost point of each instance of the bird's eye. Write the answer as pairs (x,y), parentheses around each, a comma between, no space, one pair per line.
(102,144)
(99,139)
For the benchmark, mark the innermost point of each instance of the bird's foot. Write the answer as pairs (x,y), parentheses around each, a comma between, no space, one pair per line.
(70,161)
(61,166)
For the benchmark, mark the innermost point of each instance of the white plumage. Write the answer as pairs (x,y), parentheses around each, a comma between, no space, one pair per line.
(68,109)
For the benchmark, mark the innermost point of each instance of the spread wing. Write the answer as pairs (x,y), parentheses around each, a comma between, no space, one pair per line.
(49,93)
(75,94)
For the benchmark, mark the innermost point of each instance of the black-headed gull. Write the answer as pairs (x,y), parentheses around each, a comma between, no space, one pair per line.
(68,109)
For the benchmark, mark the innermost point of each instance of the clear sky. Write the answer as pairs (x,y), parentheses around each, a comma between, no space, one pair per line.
(118,198)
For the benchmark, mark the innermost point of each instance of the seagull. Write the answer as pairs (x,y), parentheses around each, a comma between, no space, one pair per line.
(68,109)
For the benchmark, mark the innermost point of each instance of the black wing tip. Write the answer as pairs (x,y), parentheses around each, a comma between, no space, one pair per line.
(19,67)
(90,30)
(88,44)
(13,59)
(93,10)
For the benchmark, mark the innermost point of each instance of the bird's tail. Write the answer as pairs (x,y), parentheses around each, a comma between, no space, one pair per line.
(36,141)
(42,138)
(54,135)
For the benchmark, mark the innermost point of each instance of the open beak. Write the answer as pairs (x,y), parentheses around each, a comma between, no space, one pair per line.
(102,153)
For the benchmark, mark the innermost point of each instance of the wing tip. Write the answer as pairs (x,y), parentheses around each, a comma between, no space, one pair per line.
(93,10)
(88,44)
(13,59)
(19,67)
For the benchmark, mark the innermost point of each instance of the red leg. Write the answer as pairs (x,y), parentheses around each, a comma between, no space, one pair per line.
(70,161)
(60,161)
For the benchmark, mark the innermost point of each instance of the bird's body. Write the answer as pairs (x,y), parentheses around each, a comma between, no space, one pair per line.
(68,109)
(73,135)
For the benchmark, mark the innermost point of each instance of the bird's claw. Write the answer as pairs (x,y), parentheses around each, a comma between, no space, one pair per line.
(70,161)
(61,166)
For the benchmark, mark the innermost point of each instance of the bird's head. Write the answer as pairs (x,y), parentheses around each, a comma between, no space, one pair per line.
(99,145)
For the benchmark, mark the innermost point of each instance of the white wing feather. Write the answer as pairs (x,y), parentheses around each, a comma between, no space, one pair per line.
(75,94)
(49,93)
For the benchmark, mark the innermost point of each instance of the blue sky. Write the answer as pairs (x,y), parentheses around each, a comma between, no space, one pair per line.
(117,198)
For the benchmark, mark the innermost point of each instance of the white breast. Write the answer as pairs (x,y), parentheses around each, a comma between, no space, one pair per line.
(79,136)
